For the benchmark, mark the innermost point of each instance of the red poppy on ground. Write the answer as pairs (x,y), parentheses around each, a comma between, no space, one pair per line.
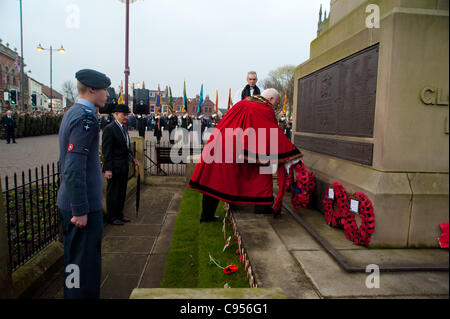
(230,269)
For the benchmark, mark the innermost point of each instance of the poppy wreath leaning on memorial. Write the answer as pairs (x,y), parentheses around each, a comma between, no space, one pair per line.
(363,234)
(336,218)
(302,186)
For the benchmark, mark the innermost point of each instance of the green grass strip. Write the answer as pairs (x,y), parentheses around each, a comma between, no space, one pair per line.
(187,265)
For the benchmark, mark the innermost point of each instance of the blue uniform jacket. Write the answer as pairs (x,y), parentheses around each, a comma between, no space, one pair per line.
(81,177)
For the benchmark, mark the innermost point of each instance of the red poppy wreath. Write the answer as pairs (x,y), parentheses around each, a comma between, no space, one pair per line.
(335,217)
(360,235)
(302,186)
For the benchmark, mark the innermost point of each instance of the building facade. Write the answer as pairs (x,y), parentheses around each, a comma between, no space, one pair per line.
(10,77)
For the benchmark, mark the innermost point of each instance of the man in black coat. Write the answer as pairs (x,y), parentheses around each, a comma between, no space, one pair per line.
(116,157)
(159,125)
(9,124)
(173,123)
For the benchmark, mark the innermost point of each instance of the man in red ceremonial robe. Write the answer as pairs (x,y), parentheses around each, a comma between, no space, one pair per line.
(235,165)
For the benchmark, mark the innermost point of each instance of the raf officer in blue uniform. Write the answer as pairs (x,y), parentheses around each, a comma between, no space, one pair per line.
(80,194)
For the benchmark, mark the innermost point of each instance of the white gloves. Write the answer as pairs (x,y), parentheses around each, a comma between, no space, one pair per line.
(288,164)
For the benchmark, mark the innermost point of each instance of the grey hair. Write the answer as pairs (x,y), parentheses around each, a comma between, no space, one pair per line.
(251,72)
(268,93)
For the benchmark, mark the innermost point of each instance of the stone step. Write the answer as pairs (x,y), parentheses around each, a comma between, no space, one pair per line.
(208,293)
(272,263)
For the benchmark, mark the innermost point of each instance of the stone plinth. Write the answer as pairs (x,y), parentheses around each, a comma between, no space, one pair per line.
(402,161)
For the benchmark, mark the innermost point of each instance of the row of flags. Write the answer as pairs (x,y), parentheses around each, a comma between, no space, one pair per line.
(185,100)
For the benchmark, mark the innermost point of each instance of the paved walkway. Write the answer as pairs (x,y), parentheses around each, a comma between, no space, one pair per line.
(133,255)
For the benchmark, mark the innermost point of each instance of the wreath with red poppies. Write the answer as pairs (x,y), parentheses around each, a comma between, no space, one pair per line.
(302,185)
(336,217)
(360,235)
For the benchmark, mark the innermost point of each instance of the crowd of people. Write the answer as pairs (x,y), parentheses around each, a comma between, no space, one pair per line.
(157,123)
(30,123)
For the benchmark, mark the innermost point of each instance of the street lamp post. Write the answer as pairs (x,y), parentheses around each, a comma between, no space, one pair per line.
(127,28)
(60,50)
(21,60)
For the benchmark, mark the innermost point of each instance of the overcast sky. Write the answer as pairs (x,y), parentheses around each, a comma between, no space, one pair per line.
(200,41)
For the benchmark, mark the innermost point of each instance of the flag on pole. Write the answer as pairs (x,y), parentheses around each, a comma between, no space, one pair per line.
(120,99)
(170,101)
(158,101)
(217,101)
(200,102)
(229,100)
(284,106)
(185,98)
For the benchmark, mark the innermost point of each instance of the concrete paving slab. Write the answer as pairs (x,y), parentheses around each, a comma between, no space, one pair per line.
(127,244)
(126,264)
(396,256)
(271,263)
(162,245)
(332,282)
(208,293)
(155,218)
(293,235)
(135,230)
(153,273)
(118,286)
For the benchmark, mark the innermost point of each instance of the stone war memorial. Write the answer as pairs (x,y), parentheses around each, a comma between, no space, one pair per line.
(371,109)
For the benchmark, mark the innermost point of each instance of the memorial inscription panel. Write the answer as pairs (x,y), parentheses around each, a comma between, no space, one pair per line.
(340,98)
(353,151)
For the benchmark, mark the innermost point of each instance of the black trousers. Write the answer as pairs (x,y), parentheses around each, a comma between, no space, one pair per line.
(116,191)
(82,256)
(10,134)
(209,206)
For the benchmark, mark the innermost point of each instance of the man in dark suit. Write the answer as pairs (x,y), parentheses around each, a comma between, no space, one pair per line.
(173,123)
(9,124)
(116,157)
(159,125)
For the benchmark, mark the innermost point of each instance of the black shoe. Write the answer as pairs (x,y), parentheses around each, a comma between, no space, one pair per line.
(210,219)
(14,142)
(125,219)
(117,222)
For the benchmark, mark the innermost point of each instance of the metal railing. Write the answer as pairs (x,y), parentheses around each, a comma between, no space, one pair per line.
(157,159)
(31,213)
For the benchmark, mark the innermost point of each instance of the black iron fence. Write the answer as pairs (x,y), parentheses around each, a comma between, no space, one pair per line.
(31,212)
(31,218)
(158,159)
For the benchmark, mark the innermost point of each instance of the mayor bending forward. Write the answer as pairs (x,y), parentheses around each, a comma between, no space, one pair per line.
(256,141)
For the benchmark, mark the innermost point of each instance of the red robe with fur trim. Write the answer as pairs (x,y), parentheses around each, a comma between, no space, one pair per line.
(229,168)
